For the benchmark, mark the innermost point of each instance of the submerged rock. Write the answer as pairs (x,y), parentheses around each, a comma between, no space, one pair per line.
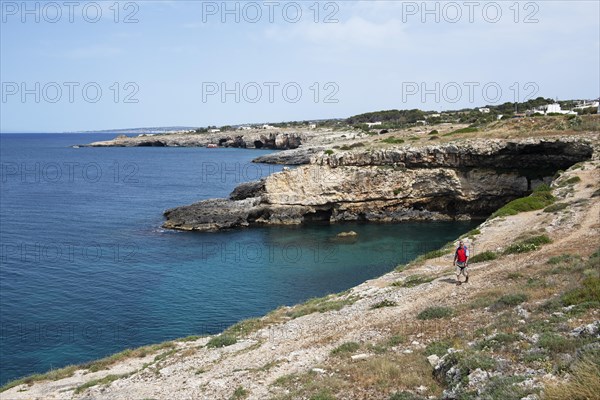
(350,234)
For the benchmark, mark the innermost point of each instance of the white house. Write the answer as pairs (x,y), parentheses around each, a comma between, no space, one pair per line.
(265,126)
(587,104)
(372,124)
(550,108)
(214,130)
(312,126)
(484,110)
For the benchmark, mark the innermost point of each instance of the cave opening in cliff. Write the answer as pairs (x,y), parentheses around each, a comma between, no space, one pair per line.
(258,144)
(323,215)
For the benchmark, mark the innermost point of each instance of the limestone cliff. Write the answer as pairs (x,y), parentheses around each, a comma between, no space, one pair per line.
(440,182)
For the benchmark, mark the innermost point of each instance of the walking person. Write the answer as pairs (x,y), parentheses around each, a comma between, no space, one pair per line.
(461,261)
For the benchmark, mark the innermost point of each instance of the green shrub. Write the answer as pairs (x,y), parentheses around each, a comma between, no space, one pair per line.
(506,388)
(384,303)
(588,292)
(396,340)
(472,233)
(497,342)
(556,343)
(542,188)
(239,393)
(405,396)
(485,256)
(463,130)
(416,280)
(565,258)
(393,140)
(221,341)
(556,207)
(322,395)
(531,244)
(320,304)
(433,254)
(434,132)
(435,313)
(539,199)
(511,300)
(102,381)
(329,152)
(466,362)
(438,348)
(345,348)
(571,181)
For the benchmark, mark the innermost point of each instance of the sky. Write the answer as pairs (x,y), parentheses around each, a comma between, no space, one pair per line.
(94,65)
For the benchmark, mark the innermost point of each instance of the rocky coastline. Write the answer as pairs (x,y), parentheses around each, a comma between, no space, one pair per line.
(435,182)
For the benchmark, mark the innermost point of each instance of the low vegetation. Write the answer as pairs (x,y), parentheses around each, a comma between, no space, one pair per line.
(556,207)
(415,280)
(384,303)
(345,348)
(527,245)
(463,130)
(239,393)
(321,304)
(540,198)
(221,340)
(435,313)
(107,380)
(484,256)
(94,366)
(393,140)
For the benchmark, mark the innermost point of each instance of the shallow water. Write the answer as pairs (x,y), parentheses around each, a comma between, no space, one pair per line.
(87,271)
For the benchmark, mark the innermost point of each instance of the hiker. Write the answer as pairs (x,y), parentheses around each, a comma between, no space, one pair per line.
(461,259)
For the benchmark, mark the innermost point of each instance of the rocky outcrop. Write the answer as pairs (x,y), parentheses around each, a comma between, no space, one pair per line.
(299,156)
(429,183)
(497,154)
(256,139)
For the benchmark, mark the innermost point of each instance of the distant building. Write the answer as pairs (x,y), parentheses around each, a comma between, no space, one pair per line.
(266,126)
(484,110)
(550,109)
(312,126)
(587,104)
(372,124)
(214,130)
(244,128)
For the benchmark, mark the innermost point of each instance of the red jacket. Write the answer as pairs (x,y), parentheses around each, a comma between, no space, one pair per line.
(462,253)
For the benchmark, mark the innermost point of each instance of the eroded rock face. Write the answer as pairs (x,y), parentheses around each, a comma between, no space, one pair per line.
(496,154)
(429,183)
(251,140)
(299,156)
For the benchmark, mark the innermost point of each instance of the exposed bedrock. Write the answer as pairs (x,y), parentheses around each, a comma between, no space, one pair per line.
(251,140)
(497,154)
(430,183)
(298,156)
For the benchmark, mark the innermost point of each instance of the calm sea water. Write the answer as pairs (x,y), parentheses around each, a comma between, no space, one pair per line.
(86,270)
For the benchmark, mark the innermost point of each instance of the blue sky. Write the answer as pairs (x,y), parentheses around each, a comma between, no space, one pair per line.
(174,58)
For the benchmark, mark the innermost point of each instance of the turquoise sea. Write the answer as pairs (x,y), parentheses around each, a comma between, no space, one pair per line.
(86,270)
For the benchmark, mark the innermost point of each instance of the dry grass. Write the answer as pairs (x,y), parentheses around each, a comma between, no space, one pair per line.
(389,372)
(583,385)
